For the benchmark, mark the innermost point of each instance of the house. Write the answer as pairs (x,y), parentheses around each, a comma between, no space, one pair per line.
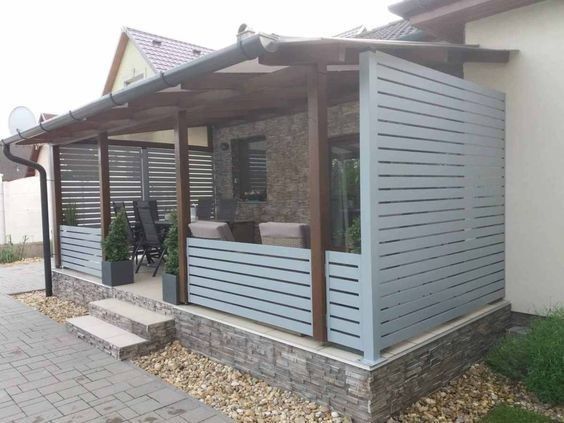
(323,132)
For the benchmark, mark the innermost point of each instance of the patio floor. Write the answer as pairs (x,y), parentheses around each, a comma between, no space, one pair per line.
(47,374)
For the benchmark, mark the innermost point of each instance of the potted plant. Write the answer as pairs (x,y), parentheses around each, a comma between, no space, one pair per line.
(170,276)
(117,268)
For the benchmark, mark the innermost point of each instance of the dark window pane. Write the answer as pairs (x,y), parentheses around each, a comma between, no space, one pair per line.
(249,168)
(345,193)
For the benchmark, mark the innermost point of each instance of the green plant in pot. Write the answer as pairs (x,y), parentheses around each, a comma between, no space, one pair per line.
(117,267)
(170,276)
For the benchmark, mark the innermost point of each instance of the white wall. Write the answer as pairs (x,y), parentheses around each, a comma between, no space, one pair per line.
(534,83)
(22,204)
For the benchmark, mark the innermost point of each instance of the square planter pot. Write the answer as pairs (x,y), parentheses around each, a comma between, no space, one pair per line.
(170,288)
(116,273)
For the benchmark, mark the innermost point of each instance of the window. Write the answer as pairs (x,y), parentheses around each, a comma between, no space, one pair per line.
(249,168)
(345,193)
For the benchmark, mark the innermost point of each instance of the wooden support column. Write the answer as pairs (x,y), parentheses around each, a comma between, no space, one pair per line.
(104,176)
(318,193)
(57,204)
(181,153)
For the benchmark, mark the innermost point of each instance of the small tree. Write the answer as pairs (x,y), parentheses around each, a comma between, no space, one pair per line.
(116,244)
(171,244)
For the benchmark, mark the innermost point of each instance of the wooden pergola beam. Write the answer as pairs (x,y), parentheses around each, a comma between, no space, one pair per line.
(104,175)
(182,157)
(318,193)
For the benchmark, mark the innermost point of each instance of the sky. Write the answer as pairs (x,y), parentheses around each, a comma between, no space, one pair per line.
(55,55)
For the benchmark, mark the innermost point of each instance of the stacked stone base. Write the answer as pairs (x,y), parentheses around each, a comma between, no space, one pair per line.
(367,394)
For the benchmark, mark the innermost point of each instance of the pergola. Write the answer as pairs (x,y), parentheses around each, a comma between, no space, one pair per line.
(260,76)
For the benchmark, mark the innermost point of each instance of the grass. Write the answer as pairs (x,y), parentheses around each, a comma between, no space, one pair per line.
(508,414)
(536,359)
(11,252)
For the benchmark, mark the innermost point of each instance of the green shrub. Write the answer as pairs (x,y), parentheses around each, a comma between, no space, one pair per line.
(69,215)
(116,244)
(10,252)
(537,358)
(507,414)
(353,236)
(171,244)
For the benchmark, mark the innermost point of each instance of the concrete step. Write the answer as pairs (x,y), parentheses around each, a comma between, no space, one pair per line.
(157,328)
(116,341)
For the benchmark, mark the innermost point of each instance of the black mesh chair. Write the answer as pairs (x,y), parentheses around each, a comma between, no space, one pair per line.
(151,204)
(152,242)
(204,210)
(226,208)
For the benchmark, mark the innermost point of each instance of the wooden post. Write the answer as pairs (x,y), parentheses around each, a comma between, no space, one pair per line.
(104,175)
(57,204)
(318,193)
(182,156)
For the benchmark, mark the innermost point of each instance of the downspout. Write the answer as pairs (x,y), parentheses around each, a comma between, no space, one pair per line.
(44,214)
(2,212)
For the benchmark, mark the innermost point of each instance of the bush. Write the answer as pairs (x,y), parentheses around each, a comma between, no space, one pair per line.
(116,244)
(69,215)
(507,414)
(537,358)
(171,244)
(10,252)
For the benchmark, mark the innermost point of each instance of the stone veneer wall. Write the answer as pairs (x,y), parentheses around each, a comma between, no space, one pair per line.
(365,394)
(287,162)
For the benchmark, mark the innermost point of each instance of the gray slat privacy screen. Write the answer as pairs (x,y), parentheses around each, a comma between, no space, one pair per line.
(437,162)
(80,183)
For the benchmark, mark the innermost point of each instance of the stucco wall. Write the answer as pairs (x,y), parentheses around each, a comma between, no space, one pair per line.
(287,162)
(534,83)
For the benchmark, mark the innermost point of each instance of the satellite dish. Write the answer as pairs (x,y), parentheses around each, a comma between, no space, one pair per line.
(21,118)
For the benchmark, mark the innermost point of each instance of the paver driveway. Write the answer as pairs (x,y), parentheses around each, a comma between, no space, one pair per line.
(47,375)
(16,278)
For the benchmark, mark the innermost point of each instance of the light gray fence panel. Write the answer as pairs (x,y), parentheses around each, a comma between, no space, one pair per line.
(80,184)
(437,181)
(125,176)
(343,298)
(269,284)
(162,177)
(81,249)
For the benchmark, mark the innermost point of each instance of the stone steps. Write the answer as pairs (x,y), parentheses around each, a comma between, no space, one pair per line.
(121,329)
(153,326)
(116,341)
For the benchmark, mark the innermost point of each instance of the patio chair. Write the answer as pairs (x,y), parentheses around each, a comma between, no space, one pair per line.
(226,209)
(204,210)
(211,230)
(152,240)
(151,204)
(285,234)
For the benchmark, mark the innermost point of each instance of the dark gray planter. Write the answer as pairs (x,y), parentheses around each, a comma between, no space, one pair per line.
(170,288)
(116,273)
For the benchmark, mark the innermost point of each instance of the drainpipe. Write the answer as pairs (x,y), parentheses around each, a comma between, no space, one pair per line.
(2,212)
(44,214)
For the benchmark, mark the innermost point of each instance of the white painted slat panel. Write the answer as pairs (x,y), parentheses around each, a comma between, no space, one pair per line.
(439,216)
(272,250)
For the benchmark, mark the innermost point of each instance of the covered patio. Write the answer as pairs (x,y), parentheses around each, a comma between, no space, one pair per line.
(425,148)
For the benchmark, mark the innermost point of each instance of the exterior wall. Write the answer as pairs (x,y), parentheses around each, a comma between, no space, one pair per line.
(367,394)
(534,85)
(287,162)
(133,63)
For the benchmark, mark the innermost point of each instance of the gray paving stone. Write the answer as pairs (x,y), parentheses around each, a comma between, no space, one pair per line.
(55,382)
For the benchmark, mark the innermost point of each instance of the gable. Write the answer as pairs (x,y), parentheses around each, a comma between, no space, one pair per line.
(131,64)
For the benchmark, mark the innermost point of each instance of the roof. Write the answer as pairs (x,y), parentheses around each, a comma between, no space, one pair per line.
(398,30)
(353,32)
(209,90)
(164,53)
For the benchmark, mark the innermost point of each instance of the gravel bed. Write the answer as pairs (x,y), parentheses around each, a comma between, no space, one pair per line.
(236,394)
(23,261)
(472,396)
(53,307)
